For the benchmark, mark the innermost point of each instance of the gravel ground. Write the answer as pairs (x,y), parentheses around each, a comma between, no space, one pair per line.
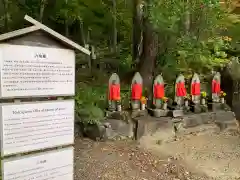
(208,151)
(124,160)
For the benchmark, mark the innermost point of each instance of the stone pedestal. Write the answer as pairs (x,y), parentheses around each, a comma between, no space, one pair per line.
(138,113)
(160,112)
(113,114)
(204,108)
(135,105)
(178,113)
(197,108)
(216,106)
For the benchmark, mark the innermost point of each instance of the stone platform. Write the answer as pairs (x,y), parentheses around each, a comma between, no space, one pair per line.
(125,126)
(149,125)
(159,112)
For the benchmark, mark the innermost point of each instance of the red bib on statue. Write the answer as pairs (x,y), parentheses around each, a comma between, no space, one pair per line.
(136,91)
(216,87)
(196,89)
(180,90)
(114,92)
(158,91)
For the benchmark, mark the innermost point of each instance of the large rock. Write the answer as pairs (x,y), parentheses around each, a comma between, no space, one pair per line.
(96,131)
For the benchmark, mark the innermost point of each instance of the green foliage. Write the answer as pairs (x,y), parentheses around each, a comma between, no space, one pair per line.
(190,32)
(125,63)
(90,103)
(234,68)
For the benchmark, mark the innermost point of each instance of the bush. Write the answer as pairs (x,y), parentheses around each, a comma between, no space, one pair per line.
(90,103)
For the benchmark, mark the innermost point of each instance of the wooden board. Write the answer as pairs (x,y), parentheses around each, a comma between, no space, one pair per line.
(35,126)
(54,165)
(36,71)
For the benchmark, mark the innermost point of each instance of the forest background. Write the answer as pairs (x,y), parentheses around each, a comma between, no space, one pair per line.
(153,37)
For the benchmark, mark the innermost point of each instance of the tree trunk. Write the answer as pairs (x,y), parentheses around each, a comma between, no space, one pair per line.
(42,7)
(66,22)
(187,18)
(227,86)
(82,36)
(147,62)
(137,29)
(114,26)
(5,8)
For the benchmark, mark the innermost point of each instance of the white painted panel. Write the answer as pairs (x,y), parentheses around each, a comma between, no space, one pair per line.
(36,71)
(34,126)
(54,165)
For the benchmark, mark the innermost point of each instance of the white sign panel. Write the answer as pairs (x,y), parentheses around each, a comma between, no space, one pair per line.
(54,165)
(34,126)
(36,71)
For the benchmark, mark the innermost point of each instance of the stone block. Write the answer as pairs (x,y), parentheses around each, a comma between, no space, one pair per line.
(150,125)
(192,120)
(123,115)
(204,108)
(197,108)
(208,117)
(178,113)
(113,114)
(216,106)
(160,112)
(119,128)
(225,116)
(227,125)
(138,113)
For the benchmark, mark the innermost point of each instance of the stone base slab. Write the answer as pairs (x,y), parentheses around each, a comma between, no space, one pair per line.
(160,112)
(138,113)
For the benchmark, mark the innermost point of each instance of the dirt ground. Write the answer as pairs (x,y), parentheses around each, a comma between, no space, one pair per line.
(124,160)
(205,155)
(204,150)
